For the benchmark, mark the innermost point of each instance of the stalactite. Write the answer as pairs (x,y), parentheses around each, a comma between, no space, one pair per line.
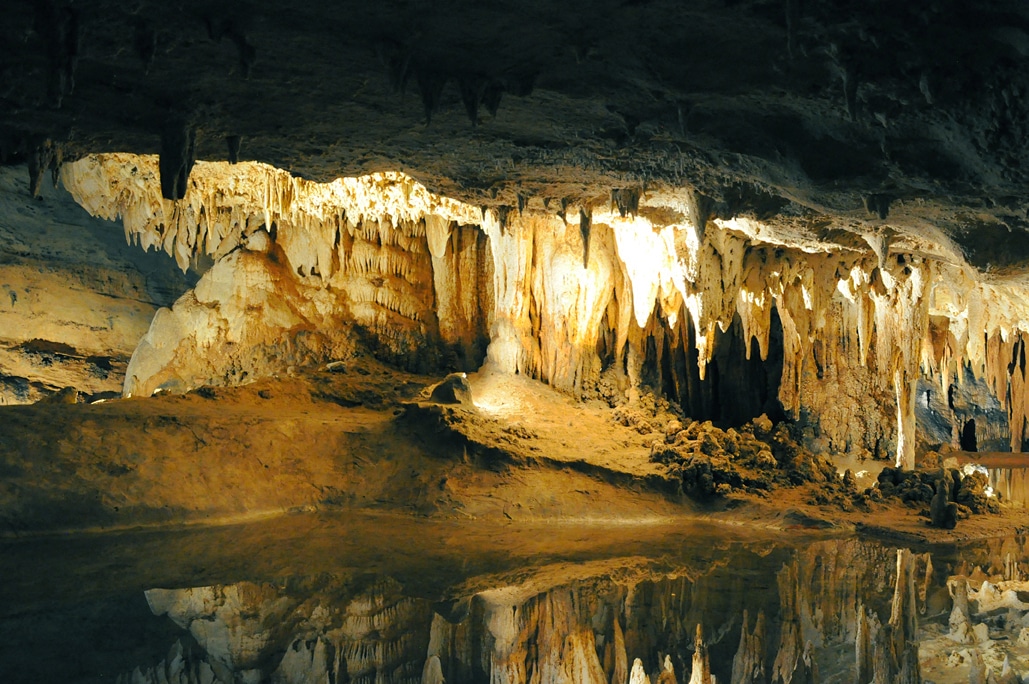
(224,198)
(560,304)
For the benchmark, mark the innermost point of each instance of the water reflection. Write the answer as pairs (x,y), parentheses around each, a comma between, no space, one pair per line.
(1012,484)
(698,608)
(1008,473)
(754,614)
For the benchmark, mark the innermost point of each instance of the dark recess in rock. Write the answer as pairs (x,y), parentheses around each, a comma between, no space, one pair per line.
(45,157)
(503,214)
(878,205)
(233,143)
(585,227)
(178,154)
(627,201)
(699,206)
(996,247)
(746,198)
(735,388)
(968,440)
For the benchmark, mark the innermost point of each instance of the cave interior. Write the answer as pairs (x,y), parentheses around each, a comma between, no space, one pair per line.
(517,261)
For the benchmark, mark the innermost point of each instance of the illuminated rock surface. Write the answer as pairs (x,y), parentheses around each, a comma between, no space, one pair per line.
(75,298)
(430,280)
(841,167)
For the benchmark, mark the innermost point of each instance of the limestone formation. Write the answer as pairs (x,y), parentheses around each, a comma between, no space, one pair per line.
(701,672)
(424,272)
(74,299)
(748,663)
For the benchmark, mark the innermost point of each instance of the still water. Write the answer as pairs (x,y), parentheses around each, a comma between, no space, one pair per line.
(377,599)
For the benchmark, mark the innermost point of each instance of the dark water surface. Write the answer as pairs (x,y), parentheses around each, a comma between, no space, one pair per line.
(363,598)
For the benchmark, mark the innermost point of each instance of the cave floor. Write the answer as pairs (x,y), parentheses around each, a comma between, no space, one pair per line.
(364,437)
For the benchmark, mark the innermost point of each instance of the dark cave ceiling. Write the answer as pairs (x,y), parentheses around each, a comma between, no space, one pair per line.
(819,114)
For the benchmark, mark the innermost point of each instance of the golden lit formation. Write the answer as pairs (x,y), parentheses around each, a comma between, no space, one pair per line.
(554,302)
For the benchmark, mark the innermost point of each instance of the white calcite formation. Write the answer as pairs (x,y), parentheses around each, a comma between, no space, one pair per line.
(297,266)
(984,635)
(300,268)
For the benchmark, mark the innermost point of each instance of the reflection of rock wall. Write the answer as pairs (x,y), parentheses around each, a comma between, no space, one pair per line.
(335,632)
(185,664)
(981,628)
(1011,484)
(802,624)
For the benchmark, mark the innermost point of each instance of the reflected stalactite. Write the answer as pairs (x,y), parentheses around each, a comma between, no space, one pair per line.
(701,671)
(618,663)
(841,610)
(638,674)
(788,665)
(748,666)
(1011,484)
(252,632)
(185,664)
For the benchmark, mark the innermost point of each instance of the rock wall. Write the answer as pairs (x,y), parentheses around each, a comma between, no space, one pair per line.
(74,299)
(646,290)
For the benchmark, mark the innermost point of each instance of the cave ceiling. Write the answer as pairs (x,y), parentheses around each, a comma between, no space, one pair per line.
(827,119)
